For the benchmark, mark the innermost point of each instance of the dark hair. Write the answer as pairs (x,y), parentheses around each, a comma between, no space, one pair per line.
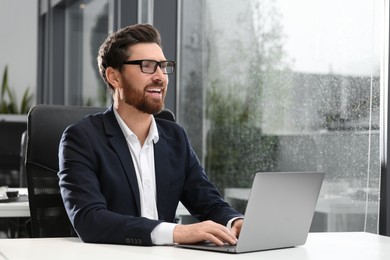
(114,50)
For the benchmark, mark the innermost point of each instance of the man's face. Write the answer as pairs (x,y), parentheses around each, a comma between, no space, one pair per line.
(145,92)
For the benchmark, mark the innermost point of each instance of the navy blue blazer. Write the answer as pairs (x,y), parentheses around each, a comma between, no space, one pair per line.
(99,185)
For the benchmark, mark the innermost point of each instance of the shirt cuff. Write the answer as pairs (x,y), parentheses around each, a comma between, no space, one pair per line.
(229,224)
(162,234)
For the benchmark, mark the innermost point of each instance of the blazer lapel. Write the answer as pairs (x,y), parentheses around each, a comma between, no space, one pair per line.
(161,158)
(119,144)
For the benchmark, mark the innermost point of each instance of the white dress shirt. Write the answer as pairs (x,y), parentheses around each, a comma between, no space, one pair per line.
(143,160)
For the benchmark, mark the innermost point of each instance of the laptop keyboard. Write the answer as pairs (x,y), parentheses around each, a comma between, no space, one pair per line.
(211,244)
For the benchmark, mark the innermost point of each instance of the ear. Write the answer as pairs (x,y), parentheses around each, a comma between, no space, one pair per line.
(113,77)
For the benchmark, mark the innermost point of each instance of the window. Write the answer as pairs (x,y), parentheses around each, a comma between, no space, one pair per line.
(86,26)
(287,86)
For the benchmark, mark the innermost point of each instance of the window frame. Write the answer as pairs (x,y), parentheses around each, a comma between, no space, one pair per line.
(384,213)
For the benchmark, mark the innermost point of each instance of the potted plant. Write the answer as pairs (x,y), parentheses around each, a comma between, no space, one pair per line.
(8,102)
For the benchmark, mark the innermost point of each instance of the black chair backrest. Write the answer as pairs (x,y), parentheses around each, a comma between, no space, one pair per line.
(166,114)
(45,126)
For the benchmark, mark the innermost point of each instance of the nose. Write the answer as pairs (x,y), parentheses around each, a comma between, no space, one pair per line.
(159,75)
(160,69)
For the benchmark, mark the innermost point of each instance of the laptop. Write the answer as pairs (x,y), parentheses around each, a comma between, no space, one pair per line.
(278,214)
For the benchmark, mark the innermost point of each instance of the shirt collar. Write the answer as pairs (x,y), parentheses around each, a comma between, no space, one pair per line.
(152,135)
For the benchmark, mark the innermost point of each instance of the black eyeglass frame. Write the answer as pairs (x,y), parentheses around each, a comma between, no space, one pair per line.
(172,65)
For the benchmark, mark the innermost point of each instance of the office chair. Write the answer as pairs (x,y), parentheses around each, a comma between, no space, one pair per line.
(45,126)
(166,114)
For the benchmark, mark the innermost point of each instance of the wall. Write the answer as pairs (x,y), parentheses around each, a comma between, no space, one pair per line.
(18,44)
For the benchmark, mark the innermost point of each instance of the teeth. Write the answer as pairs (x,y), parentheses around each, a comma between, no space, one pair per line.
(155,90)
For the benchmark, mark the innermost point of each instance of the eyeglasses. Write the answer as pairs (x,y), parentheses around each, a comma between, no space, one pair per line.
(150,66)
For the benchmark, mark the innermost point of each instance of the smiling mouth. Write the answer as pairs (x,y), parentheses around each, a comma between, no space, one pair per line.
(154,90)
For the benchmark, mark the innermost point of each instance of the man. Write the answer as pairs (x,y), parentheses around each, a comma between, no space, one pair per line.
(123,173)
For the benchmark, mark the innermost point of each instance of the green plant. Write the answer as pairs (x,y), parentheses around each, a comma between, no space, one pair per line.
(8,102)
(236,145)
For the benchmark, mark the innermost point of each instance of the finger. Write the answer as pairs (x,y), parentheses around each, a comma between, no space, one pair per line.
(225,235)
(236,227)
(213,239)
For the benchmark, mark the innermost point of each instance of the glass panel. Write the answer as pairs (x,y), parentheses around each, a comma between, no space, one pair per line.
(145,11)
(287,86)
(86,28)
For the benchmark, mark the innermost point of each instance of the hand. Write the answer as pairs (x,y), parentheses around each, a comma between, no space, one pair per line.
(236,227)
(204,231)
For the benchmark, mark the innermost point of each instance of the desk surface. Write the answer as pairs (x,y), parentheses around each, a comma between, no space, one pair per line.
(15,209)
(319,246)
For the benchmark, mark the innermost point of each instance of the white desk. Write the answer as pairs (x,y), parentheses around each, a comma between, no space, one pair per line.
(15,209)
(334,246)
